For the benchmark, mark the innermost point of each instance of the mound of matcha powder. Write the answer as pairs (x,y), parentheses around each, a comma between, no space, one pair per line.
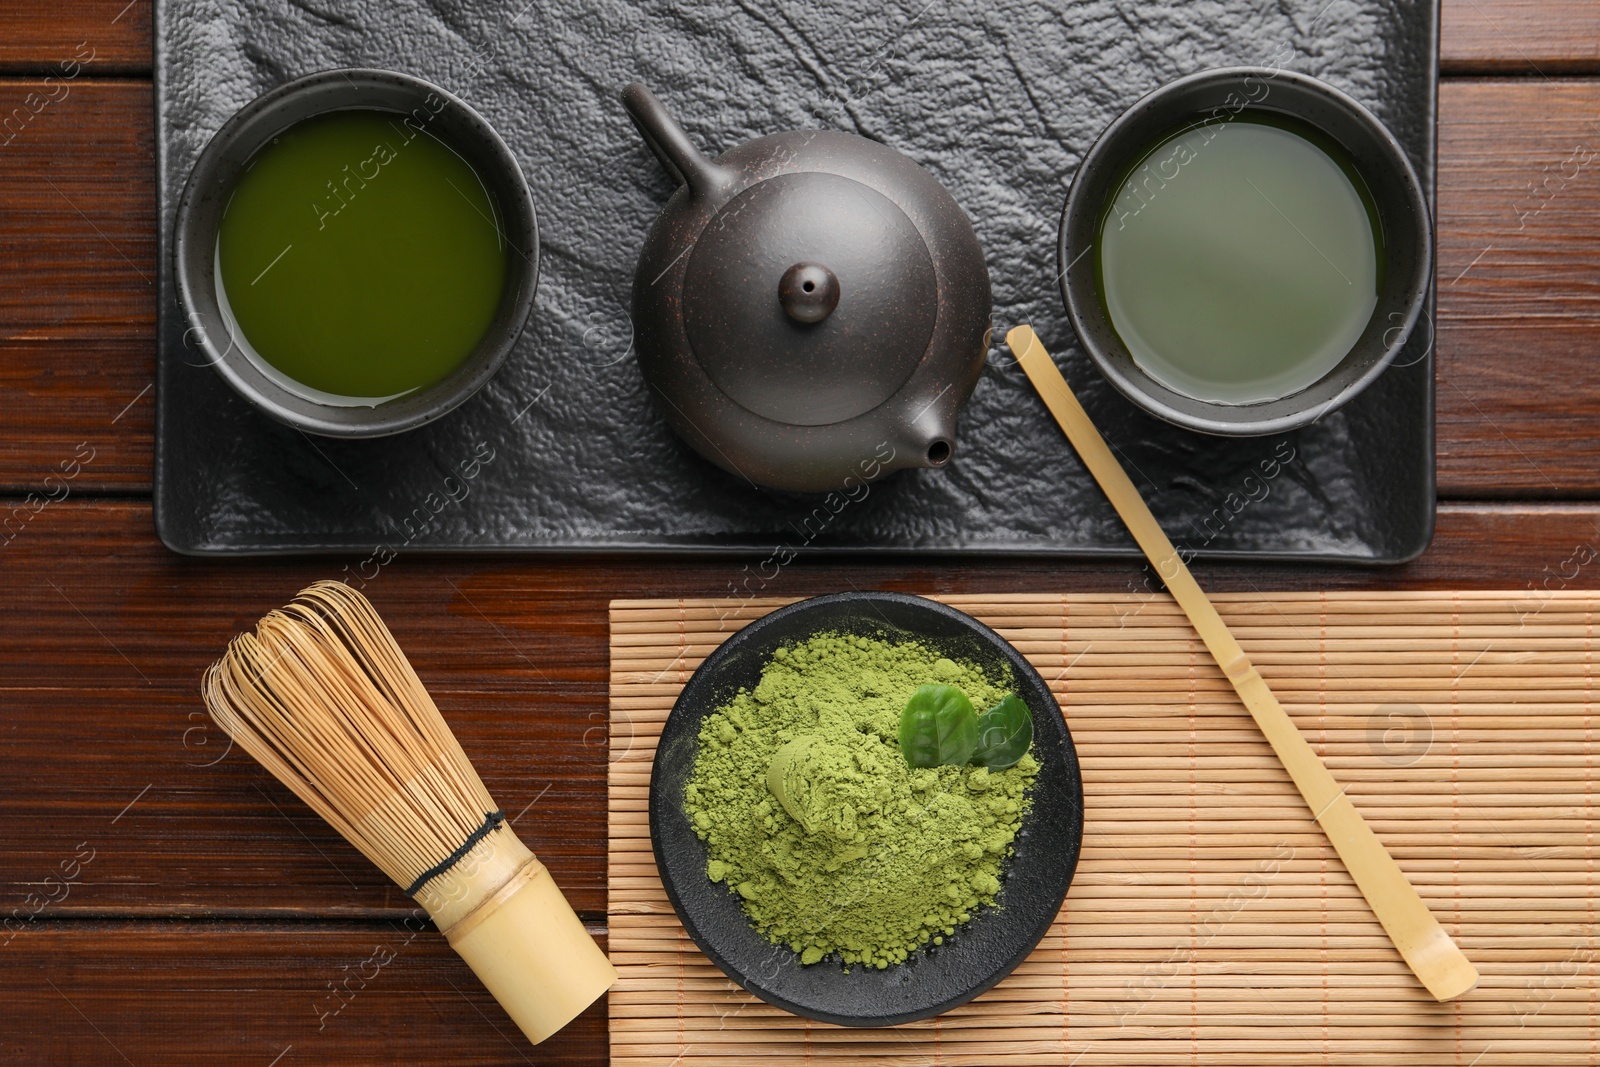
(888,858)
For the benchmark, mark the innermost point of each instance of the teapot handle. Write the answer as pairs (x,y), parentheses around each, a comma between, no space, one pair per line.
(672,146)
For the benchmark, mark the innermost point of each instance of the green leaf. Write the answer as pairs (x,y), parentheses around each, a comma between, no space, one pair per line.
(1004,733)
(938,726)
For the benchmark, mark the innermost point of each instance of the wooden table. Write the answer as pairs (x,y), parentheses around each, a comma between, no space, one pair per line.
(160,904)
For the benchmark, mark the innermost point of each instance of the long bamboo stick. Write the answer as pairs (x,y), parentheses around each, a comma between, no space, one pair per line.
(1430,952)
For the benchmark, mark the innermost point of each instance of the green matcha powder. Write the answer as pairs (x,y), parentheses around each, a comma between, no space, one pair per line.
(882,858)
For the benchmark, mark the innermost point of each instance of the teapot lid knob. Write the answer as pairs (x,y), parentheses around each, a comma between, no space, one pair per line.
(808,292)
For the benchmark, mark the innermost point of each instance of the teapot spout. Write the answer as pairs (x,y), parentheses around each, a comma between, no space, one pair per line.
(930,440)
(678,155)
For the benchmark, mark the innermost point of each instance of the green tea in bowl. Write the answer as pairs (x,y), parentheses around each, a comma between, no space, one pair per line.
(1244,250)
(356,253)
(360,258)
(1241,260)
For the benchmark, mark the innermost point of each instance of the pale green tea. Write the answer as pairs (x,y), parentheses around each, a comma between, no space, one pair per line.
(361,257)
(1240,260)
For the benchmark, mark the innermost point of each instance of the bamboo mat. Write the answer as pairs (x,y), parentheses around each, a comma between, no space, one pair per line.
(1210,922)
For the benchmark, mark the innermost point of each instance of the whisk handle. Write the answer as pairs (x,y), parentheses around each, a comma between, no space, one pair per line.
(530,950)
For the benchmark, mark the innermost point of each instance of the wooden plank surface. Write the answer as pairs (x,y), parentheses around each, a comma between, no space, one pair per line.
(224,992)
(78,232)
(96,605)
(1519,287)
(1520,36)
(183,825)
(77,312)
(104,36)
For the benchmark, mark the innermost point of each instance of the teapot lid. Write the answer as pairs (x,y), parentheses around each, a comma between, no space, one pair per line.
(809,298)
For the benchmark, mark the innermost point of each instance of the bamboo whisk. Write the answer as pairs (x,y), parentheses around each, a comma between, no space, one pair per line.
(322,697)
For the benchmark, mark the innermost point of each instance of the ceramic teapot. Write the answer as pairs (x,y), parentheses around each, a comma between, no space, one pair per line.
(811,307)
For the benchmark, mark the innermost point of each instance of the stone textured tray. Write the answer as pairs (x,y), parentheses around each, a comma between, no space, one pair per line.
(564,450)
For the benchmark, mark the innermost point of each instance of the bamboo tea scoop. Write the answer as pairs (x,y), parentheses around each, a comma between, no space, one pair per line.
(1427,949)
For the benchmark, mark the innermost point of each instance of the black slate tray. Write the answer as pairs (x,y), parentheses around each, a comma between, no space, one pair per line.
(564,450)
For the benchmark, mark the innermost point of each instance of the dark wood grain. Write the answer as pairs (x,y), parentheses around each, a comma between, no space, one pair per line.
(96,605)
(84,408)
(220,992)
(107,743)
(36,37)
(1519,288)
(1520,36)
(78,232)
(77,312)
(181,824)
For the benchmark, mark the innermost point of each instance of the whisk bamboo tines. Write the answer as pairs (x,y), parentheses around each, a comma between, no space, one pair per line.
(322,696)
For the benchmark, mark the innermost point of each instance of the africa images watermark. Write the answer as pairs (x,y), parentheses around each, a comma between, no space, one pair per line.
(351,184)
(1180,152)
(452,490)
(355,978)
(1565,573)
(1550,185)
(854,489)
(32,504)
(1156,976)
(1251,490)
(62,879)
(52,90)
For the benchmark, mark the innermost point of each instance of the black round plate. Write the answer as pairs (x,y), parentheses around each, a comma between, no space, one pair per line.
(1035,879)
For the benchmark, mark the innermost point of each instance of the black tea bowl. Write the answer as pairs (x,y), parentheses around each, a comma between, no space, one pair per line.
(1034,879)
(230,153)
(1216,96)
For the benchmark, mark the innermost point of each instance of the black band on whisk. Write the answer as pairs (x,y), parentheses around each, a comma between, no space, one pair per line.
(490,821)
